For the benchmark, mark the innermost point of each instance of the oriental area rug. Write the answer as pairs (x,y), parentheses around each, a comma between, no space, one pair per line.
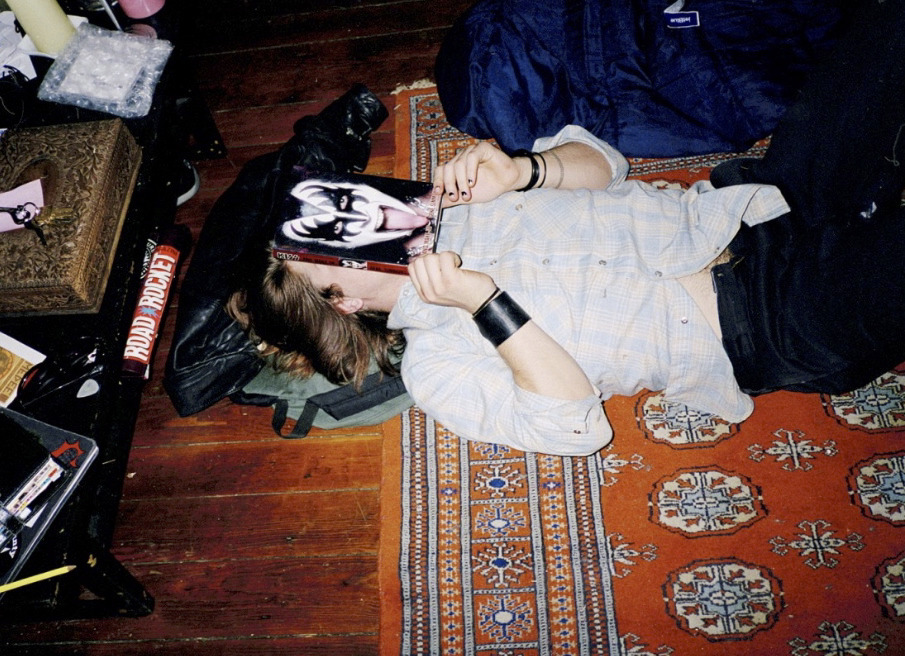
(688,535)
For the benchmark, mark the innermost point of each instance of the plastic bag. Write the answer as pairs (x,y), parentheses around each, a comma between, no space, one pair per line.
(109,71)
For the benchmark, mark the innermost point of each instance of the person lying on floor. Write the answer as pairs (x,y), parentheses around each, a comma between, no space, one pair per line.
(558,283)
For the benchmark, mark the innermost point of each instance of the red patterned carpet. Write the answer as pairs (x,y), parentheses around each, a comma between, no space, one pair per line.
(688,535)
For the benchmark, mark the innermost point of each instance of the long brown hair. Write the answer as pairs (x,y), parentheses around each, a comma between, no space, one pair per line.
(299,328)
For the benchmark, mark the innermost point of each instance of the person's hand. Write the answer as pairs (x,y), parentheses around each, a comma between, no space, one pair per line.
(439,279)
(478,173)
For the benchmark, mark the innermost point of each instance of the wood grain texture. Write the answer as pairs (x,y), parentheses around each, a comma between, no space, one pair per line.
(252,544)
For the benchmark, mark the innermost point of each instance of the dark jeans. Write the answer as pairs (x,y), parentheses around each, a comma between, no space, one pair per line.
(815,300)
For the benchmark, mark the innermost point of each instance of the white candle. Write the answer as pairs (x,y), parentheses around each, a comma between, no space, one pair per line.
(45,22)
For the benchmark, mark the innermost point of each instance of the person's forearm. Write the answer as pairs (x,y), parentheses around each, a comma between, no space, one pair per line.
(540,365)
(570,165)
(481,172)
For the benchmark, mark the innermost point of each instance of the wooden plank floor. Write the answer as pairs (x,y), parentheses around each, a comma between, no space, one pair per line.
(252,544)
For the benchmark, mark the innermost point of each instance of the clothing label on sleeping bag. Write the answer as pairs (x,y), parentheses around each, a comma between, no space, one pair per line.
(677,19)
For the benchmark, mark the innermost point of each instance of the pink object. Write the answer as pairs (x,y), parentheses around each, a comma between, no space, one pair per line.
(141,8)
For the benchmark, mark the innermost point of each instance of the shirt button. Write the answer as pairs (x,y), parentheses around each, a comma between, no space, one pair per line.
(546,260)
(684,319)
(519,207)
(659,274)
(492,262)
(601,262)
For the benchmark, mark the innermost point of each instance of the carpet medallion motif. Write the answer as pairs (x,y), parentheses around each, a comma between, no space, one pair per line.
(889,587)
(878,487)
(879,405)
(723,599)
(705,502)
(783,535)
(677,424)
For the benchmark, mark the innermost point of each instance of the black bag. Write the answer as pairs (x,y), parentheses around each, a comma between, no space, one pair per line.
(211,358)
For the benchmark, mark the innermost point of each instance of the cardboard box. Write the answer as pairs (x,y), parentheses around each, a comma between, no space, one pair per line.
(89,168)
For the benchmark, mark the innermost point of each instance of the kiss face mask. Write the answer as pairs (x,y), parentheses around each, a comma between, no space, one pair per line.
(352,215)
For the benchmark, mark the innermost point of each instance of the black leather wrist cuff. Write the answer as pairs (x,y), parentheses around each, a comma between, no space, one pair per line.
(535,168)
(500,318)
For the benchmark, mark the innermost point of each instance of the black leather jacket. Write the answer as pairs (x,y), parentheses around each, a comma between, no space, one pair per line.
(210,356)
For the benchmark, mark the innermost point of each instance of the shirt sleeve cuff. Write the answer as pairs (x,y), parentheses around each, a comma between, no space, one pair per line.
(564,427)
(573,133)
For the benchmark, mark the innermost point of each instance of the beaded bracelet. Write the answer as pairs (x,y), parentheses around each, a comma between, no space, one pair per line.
(535,168)
(499,318)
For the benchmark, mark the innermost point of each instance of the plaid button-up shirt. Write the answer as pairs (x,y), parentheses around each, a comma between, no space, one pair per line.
(597,270)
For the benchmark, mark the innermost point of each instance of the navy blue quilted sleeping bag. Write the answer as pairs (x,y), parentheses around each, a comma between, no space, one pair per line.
(652,79)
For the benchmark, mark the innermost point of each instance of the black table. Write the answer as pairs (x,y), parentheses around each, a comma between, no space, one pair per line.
(82,533)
